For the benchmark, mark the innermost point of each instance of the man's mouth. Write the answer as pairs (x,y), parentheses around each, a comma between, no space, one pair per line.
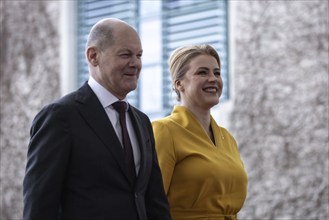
(130,74)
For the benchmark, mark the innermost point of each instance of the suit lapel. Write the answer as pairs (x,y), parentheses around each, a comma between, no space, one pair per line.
(143,139)
(94,114)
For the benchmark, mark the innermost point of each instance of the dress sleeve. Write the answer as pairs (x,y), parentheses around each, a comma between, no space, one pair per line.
(164,145)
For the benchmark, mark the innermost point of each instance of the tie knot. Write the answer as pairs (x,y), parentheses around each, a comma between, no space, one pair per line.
(120,106)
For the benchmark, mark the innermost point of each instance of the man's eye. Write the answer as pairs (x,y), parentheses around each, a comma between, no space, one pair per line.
(124,55)
(217,73)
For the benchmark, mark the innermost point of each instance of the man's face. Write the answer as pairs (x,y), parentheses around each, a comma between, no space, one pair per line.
(120,64)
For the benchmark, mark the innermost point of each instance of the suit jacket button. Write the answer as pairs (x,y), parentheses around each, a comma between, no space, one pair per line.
(136,195)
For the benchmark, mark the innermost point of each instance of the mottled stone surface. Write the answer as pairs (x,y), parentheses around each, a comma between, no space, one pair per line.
(29,71)
(280,116)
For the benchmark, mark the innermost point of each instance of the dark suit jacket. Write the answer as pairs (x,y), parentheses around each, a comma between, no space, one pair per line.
(76,169)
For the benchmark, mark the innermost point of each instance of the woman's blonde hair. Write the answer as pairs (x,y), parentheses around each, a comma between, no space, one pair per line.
(180,59)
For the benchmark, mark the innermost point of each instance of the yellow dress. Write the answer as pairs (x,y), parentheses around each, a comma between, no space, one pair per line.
(201,180)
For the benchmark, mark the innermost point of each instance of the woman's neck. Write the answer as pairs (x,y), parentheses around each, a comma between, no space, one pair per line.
(203,116)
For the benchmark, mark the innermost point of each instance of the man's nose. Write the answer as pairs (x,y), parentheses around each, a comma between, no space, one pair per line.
(135,61)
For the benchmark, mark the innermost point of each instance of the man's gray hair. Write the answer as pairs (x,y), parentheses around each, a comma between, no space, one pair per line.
(101,36)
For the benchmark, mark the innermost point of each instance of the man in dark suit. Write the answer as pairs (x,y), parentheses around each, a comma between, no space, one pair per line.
(77,164)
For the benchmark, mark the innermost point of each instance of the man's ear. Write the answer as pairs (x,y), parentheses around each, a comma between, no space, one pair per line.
(92,55)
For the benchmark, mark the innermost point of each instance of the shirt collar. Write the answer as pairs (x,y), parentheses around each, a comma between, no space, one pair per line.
(105,97)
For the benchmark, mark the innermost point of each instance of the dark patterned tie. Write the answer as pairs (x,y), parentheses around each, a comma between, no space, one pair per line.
(121,107)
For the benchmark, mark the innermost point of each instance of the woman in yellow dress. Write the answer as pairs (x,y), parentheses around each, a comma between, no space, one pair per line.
(203,175)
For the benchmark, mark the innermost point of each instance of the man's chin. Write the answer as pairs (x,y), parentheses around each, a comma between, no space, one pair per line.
(131,87)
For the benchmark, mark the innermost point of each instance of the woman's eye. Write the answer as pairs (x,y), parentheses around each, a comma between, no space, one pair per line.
(217,73)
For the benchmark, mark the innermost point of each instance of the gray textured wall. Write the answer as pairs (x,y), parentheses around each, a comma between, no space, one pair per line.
(29,71)
(280,116)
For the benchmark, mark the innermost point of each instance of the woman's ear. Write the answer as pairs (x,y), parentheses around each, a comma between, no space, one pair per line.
(178,85)
(92,56)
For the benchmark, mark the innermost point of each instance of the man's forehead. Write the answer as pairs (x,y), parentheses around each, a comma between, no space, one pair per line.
(129,49)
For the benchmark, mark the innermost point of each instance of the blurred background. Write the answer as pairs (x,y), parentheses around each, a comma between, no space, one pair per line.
(275,69)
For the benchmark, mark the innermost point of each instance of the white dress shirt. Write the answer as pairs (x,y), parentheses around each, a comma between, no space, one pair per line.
(106,98)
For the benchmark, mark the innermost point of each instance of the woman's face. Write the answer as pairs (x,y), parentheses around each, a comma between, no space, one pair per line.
(202,85)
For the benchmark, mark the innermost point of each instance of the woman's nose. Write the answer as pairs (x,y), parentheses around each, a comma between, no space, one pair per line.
(212,77)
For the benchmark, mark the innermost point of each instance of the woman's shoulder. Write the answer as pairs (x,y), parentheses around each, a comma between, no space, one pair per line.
(162,122)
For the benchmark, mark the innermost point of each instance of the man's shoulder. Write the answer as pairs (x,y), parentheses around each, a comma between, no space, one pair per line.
(139,113)
(136,110)
(62,103)
(71,97)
